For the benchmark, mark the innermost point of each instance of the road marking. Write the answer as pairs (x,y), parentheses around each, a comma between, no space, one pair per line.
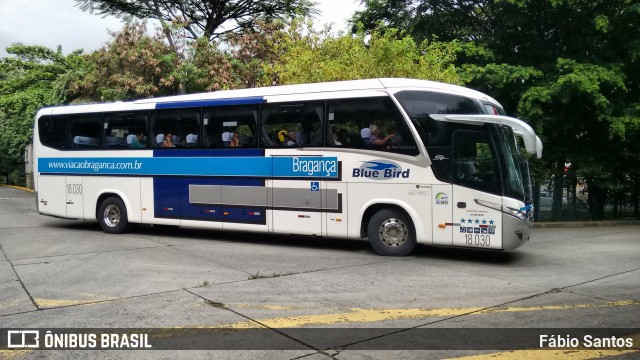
(375,315)
(54,303)
(537,354)
(268,307)
(19,188)
(12,354)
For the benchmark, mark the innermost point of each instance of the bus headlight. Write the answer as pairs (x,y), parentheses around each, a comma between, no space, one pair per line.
(517,213)
(521,214)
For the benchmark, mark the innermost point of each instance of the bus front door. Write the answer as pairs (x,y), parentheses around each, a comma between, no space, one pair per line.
(476,191)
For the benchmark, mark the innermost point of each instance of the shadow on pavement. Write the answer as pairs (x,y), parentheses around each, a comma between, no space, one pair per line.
(309,242)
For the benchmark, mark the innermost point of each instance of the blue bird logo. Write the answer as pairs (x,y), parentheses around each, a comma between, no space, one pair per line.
(374,165)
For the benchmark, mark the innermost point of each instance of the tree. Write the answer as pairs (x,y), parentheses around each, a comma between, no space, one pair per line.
(395,14)
(309,56)
(588,95)
(445,20)
(574,109)
(32,78)
(568,67)
(254,54)
(209,19)
(200,19)
(133,65)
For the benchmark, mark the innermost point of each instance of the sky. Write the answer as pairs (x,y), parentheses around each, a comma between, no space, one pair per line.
(51,23)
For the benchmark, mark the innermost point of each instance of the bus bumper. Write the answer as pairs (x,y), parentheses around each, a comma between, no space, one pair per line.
(515,232)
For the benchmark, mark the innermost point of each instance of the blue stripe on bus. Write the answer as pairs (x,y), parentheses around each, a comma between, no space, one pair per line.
(214,102)
(303,167)
(171,200)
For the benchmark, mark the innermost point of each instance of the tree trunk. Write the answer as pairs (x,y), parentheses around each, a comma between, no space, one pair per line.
(558,187)
(597,199)
(573,201)
(636,197)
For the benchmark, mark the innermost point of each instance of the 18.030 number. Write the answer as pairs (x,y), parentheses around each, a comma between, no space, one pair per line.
(478,240)
(73,189)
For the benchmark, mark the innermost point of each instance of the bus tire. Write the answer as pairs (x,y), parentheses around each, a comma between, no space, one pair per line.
(391,233)
(112,216)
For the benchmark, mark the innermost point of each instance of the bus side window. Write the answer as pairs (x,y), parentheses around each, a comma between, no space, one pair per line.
(85,130)
(53,131)
(351,122)
(223,121)
(120,130)
(179,123)
(293,124)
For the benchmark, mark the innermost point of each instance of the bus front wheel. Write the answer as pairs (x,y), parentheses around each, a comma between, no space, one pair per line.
(112,216)
(391,233)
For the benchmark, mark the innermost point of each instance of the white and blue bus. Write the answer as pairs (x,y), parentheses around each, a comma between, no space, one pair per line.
(397,161)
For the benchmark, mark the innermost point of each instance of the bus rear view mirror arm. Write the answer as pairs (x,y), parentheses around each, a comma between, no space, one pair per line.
(532,143)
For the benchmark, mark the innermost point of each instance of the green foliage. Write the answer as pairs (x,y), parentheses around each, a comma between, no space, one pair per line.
(575,107)
(134,65)
(503,81)
(32,77)
(208,19)
(580,114)
(309,56)
(396,14)
(253,54)
(447,20)
(209,69)
(568,67)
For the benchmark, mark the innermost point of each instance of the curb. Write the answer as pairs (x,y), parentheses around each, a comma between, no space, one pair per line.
(19,188)
(580,224)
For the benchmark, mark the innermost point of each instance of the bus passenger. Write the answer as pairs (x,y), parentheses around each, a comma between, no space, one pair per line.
(235,140)
(376,137)
(137,142)
(291,139)
(168,141)
(281,137)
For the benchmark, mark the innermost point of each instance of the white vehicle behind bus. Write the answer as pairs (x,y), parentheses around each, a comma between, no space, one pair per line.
(397,161)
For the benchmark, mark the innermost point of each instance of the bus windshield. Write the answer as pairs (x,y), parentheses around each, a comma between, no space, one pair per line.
(460,142)
(420,104)
(517,168)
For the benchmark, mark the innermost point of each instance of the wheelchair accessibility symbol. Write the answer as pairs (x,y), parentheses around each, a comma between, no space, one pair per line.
(315,186)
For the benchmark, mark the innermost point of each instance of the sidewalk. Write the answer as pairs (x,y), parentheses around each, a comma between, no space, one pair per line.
(576,224)
(18,187)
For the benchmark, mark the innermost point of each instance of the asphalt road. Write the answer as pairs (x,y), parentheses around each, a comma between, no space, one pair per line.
(58,273)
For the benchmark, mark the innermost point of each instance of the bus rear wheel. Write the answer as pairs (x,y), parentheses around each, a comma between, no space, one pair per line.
(112,216)
(391,233)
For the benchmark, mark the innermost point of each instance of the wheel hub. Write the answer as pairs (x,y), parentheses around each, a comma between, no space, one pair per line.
(393,232)
(112,215)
